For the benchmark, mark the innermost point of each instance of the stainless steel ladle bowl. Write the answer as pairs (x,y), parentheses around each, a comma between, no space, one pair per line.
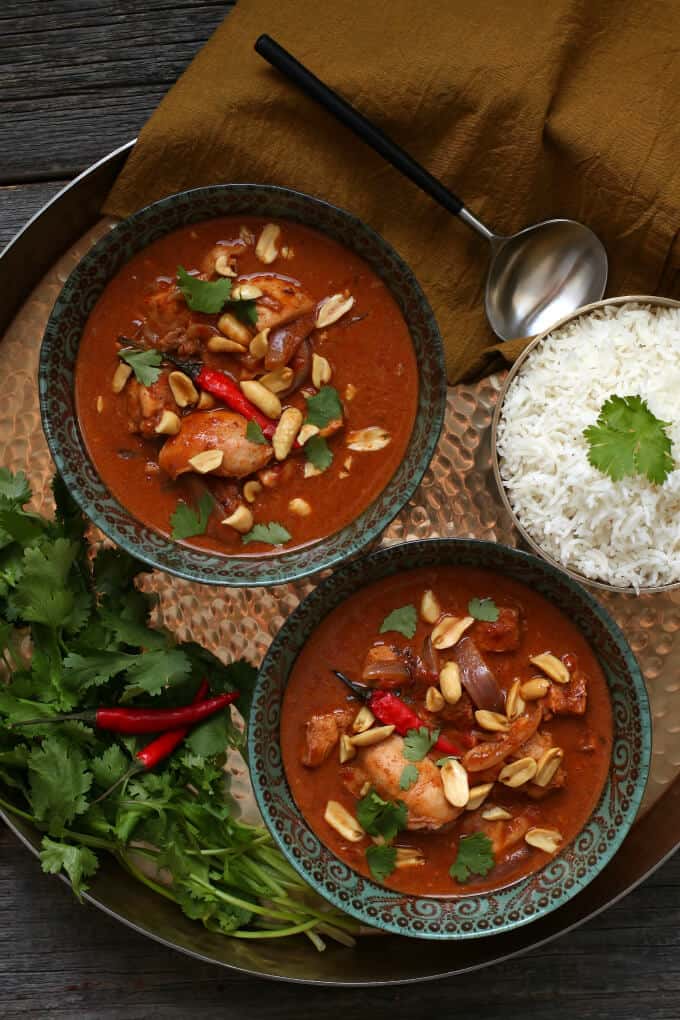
(536,276)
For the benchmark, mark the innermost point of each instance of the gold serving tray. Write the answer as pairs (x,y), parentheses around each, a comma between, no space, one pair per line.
(457,499)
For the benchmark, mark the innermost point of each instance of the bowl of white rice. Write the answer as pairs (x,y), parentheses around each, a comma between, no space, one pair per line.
(624,534)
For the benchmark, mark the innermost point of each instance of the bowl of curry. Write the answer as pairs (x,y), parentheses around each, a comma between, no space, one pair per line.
(242,384)
(449,738)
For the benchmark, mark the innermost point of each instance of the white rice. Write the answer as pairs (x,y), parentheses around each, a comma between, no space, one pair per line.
(625,533)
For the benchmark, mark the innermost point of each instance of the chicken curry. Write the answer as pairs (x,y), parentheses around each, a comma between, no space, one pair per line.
(446,731)
(246,386)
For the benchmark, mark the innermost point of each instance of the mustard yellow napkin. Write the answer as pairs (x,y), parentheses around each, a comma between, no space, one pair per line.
(526,109)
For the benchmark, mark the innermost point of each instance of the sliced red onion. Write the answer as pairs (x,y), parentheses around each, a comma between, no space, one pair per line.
(391,673)
(301,364)
(284,342)
(477,678)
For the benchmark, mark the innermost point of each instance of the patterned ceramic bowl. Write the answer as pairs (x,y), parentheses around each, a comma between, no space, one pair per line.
(60,347)
(476,914)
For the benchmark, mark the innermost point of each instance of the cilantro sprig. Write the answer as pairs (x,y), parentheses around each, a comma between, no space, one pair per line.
(87,625)
(188,522)
(254,434)
(318,453)
(403,620)
(417,743)
(381,861)
(474,857)
(211,296)
(484,609)
(272,533)
(380,817)
(409,776)
(146,364)
(627,440)
(324,407)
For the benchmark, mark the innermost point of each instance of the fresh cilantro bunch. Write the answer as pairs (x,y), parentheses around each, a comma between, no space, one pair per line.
(74,634)
(627,439)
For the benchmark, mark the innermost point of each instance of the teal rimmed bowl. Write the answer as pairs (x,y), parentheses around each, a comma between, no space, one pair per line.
(60,347)
(478,914)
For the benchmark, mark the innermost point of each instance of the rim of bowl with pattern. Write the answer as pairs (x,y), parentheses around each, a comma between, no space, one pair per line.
(477,914)
(81,292)
(660,302)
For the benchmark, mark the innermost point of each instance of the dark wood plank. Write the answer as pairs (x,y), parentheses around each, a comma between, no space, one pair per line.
(80,78)
(21,201)
(623,965)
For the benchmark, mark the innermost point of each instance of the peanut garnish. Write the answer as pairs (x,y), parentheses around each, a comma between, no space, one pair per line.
(278,380)
(517,773)
(339,818)
(206,401)
(430,610)
(235,330)
(552,667)
(286,431)
(223,345)
(409,857)
(350,391)
(368,440)
(300,507)
(449,683)
(493,721)
(241,520)
(478,795)
(251,489)
(100,404)
(245,292)
(267,248)
(493,813)
(306,432)
(321,371)
(120,377)
(372,736)
(264,399)
(434,699)
(455,783)
(514,703)
(168,425)
(183,389)
(259,345)
(547,840)
(206,461)
(223,266)
(332,309)
(347,750)
(535,688)
(363,720)
(450,630)
(547,765)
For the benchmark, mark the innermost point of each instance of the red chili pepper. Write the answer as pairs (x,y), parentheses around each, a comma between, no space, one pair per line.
(144,720)
(164,745)
(392,711)
(225,389)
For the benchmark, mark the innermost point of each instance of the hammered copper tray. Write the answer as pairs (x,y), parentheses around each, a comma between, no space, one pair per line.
(457,498)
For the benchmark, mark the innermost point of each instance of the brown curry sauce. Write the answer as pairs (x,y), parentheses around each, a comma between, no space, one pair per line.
(369,350)
(341,642)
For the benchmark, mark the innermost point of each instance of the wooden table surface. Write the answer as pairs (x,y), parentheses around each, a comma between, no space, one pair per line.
(78,78)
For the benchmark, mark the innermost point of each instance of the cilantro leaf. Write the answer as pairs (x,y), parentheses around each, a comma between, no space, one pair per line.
(145,364)
(409,776)
(202,295)
(318,453)
(484,609)
(186,522)
(627,439)
(381,861)
(245,310)
(403,620)
(255,434)
(418,742)
(272,533)
(109,767)
(381,817)
(214,736)
(59,780)
(153,671)
(14,487)
(474,857)
(78,862)
(324,407)
(45,593)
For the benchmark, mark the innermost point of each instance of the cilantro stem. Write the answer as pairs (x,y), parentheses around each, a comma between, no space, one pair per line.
(244,904)
(276,933)
(144,879)
(16,811)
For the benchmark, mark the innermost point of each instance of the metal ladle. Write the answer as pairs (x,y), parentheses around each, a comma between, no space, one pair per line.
(536,276)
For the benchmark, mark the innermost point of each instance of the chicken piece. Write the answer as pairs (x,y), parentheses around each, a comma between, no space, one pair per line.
(504,835)
(500,636)
(536,792)
(283,300)
(145,404)
(166,308)
(491,753)
(386,667)
(535,746)
(214,430)
(568,699)
(382,765)
(322,733)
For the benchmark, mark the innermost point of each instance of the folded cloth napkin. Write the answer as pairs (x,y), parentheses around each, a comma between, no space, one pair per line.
(527,110)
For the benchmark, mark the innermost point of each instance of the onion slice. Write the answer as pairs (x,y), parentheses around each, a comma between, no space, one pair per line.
(477,678)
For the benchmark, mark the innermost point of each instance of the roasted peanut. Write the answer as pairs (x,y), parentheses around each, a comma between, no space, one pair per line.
(206,461)
(168,425)
(306,432)
(363,720)
(455,783)
(547,840)
(264,399)
(241,520)
(449,683)
(251,489)
(450,630)
(339,818)
(300,507)
(373,736)
(286,432)
(535,688)
(547,765)
(552,667)
(259,345)
(517,773)
(478,795)
(368,440)
(321,371)
(278,380)
(223,345)
(120,377)
(430,610)
(514,703)
(493,721)
(245,292)
(182,389)
(234,329)
(267,248)
(434,699)
(332,309)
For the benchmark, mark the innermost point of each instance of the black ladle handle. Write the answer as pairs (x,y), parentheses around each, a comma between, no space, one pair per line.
(283,61)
